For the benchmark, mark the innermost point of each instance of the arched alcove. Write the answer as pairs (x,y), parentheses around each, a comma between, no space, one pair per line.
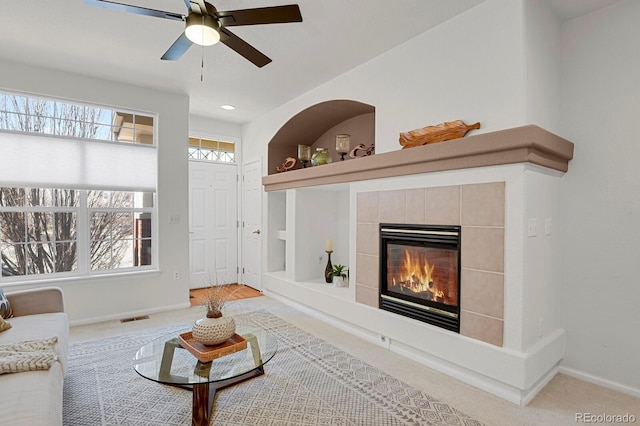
(309,125)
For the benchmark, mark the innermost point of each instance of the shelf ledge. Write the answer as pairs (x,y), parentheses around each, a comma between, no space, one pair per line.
(525,144)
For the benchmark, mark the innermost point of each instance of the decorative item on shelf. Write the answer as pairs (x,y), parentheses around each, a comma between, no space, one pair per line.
(340,276)
(215,328)
(304,154)
(362,151)
(288,164)
(342,145)
(439,133)
(320,157)
(328,271)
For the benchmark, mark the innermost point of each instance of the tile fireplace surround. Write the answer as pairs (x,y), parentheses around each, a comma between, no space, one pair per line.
(479,208)
(494,185)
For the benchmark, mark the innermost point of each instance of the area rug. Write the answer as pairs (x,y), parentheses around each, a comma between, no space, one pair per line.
(308,382)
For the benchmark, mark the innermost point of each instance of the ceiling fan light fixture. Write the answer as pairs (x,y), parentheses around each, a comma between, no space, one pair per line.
(202,29)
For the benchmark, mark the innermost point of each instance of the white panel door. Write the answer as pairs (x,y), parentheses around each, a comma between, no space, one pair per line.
(213,224)
(251,224)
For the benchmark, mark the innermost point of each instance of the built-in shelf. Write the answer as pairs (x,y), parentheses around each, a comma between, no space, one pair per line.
(318,285)
(526,144)
(308,127)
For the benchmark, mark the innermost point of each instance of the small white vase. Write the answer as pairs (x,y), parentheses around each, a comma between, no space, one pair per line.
(340,281)
(213,331)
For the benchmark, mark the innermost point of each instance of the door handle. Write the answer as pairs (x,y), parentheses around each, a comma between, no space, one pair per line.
(257,231)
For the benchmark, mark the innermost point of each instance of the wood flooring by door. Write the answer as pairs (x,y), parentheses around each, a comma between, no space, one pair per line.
(235,292)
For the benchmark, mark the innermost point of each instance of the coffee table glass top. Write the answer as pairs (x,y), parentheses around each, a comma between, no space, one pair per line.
(164,360)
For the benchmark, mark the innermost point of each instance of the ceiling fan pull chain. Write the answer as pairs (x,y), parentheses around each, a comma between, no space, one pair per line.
(202,54)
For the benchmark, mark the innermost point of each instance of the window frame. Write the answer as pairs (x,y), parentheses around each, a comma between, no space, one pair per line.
(116,121)
(83,238)
(39,116)
(215,152)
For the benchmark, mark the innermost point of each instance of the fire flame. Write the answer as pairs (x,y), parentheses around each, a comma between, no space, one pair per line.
(417,276)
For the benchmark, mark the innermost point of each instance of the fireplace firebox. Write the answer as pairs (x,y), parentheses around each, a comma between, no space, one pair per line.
(420,273)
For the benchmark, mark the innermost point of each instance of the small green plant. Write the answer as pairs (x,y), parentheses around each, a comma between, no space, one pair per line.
(339,271)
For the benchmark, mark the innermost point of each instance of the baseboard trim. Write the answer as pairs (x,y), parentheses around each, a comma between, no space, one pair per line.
(484,383)
(600,381)
(337,323)
(130,314)
(531,393)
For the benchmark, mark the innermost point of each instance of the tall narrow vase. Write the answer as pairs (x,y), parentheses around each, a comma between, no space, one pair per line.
(328,271)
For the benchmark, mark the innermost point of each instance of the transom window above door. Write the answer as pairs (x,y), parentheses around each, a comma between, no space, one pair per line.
(212,150)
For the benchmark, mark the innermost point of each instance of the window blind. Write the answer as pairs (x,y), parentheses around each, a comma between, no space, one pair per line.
(58,162)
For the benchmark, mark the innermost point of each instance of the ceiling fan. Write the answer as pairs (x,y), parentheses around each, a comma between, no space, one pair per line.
(205,25)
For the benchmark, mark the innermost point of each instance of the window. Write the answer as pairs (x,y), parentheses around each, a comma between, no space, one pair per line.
(30,114)
(74,201)
(74,232)
(211,150)
(38,231)
(119,230)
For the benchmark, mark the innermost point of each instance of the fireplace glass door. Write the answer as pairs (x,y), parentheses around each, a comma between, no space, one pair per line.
(420,272)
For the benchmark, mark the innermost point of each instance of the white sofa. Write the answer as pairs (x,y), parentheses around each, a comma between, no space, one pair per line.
(34,398)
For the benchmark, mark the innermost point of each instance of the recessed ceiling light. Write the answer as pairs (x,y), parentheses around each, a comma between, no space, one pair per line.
(228,107)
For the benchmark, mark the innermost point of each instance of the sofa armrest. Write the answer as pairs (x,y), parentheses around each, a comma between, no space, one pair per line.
(37,301)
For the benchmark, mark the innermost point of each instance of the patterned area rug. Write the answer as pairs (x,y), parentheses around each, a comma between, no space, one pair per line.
(308,382)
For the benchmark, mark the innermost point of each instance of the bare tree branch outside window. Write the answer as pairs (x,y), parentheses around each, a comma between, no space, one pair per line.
(41,242)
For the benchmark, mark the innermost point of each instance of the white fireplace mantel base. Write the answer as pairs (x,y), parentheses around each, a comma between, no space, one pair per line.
(513,376)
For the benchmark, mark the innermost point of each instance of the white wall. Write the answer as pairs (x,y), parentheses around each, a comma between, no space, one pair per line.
(90,299)
(311,232)
(470,67)
(601,205)
(325,218)
(542,65)
(207,126)
(541,305)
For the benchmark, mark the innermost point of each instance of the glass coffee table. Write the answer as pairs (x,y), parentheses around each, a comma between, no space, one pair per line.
(163,360)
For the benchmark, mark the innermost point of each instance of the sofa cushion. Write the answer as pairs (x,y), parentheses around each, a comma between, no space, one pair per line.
(39,327)
(33,398)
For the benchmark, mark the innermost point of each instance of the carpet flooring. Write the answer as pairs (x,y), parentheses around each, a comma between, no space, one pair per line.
(308,382)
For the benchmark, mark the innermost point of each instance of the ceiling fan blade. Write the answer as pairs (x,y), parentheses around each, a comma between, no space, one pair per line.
(177,49)
(243,48)
(107,4)
(197,6)
(261,15)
